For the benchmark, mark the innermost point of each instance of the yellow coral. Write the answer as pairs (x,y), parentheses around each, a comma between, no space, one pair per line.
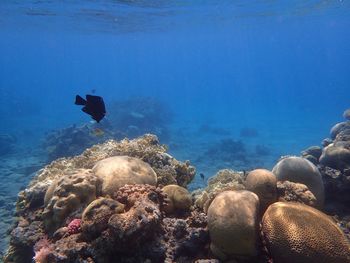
(299,233)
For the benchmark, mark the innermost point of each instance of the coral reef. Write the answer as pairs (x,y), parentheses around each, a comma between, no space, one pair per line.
(333,162)
(179,199)
(66,202)
(224,180)
(69,194)
(337,190)
(298,233)
(233,224)
(96,215)
(337,155)
(313,154)
(118,171)
(263,183)
(299,170)
(127,201)
(147,148)
(346,114)
(295,192)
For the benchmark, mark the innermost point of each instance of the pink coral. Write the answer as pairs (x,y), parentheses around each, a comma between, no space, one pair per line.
(41,256)
(42,250)
(74,226)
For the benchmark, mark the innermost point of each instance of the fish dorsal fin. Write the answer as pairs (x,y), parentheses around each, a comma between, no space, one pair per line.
(79,100)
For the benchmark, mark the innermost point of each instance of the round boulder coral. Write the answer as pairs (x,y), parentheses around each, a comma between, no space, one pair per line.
(336,129)
(179,199)
(68,194)
(336,156)
(264,184)
(232,224)
(118,171)
(295,232)
(300,170)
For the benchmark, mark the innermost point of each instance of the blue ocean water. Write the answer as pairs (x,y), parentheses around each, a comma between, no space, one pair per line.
(278,69)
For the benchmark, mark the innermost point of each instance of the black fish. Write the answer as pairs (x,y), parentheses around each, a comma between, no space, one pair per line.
(201,175)
(93,105)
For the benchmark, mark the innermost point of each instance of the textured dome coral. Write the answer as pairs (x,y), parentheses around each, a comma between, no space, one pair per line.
(68,194)
(295,232)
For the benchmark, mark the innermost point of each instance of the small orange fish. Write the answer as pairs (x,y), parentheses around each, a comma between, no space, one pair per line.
(98,132)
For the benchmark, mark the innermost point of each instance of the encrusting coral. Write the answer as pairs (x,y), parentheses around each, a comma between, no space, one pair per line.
(295,192)
(299,170)
(294,232)
(96,215)
(224,180)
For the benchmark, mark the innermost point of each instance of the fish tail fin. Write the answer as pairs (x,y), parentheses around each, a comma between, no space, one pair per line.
(79,100)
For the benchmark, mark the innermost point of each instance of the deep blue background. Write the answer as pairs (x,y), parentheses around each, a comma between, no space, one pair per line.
(284,70)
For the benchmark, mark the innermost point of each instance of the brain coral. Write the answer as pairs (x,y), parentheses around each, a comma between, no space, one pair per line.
(179,198)
(295,232)
(299,170)
(264,184)
(118,171)
(232,224)
(67,195)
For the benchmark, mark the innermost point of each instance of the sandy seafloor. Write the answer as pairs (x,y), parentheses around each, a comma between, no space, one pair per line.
(186,143)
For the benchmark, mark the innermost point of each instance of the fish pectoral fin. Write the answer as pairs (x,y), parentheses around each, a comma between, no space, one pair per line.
(79,100)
